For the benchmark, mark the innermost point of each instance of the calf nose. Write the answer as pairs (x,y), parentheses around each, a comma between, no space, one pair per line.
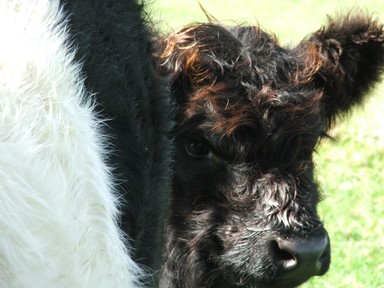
(301,258)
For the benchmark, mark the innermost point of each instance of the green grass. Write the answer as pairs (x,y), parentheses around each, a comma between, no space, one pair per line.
(350,169)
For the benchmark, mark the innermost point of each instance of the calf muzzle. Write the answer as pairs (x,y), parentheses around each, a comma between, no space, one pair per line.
(301,257)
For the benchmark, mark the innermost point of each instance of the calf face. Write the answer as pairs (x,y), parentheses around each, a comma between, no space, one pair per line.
(250,115)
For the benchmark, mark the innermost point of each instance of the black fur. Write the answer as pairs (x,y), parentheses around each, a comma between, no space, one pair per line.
(250,116)
(113,44)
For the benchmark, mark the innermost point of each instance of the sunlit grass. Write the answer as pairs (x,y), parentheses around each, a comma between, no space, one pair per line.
(351,168)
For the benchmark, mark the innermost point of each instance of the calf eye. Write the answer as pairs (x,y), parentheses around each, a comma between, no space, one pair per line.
(196,148)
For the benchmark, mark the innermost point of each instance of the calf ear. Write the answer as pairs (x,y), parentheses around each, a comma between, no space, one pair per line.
(193,56)
(344,60)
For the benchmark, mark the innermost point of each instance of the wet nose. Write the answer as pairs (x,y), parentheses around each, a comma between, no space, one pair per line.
(301,258)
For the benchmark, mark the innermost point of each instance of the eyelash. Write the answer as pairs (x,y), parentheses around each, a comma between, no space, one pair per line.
(197,149)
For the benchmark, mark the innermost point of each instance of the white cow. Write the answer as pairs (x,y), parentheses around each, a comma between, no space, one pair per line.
(57,205)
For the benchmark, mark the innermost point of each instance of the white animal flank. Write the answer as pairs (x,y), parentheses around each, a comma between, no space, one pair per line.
(57,207)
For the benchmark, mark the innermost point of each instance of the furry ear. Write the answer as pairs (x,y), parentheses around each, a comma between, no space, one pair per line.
(193,56)
(344,60)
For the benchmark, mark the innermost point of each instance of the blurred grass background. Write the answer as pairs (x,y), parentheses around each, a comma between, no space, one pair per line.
(350,169)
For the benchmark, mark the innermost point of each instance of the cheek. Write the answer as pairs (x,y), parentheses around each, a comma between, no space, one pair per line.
(308,191)
(198,179)
(189,170)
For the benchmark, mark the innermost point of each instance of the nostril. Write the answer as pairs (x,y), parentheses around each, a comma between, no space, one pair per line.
(283,256)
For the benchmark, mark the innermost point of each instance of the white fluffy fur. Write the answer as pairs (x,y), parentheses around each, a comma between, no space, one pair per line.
(57,209)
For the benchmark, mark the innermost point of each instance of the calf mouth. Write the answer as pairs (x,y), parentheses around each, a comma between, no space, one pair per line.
(289,283)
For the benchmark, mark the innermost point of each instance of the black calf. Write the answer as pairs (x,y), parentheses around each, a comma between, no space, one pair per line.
(250,115)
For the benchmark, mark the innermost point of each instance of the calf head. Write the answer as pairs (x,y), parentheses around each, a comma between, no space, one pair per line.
(250,115)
